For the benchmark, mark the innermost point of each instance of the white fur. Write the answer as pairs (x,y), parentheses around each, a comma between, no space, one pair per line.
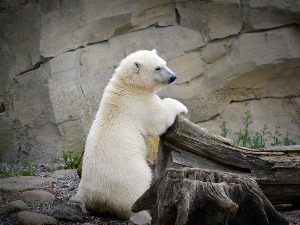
(115,172)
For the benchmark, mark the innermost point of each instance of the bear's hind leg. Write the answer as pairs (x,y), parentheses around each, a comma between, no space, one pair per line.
(77,199)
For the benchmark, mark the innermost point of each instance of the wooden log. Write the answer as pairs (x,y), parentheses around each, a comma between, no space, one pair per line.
(79,168)
(189,196)
(276,169)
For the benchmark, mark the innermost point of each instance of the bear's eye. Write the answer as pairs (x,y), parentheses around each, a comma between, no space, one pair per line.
(158,68)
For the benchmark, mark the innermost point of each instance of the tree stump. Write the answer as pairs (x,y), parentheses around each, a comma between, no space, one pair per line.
(189,196)
(276,169)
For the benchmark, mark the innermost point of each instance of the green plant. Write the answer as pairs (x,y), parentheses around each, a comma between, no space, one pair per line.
(244,135)
(18,170)
(287,140)
(224,129)
(56,160)
(276,136)
(26,170)
(6,171)
(71,159)
(249,138)
(259,140)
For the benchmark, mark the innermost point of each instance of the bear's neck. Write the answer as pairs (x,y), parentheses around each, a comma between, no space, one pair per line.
(123,87)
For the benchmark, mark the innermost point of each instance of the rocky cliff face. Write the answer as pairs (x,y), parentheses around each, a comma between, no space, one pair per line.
(57,56)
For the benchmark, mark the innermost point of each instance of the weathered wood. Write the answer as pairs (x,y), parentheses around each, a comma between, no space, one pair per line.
(276,169)
(189,196)
(79,168)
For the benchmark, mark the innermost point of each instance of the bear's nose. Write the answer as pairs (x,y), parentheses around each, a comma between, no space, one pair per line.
(172,78)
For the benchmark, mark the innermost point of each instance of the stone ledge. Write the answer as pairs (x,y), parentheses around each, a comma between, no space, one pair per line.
(25,183)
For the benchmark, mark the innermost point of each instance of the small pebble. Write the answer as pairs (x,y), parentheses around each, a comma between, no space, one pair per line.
(141,218)
(65,212)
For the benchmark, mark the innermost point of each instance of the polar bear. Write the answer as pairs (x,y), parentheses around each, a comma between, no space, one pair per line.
(115,172)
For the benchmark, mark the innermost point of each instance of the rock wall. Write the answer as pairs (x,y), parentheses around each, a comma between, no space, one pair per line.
(57,57)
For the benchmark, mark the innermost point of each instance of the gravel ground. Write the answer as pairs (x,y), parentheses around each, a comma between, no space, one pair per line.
(66,187)
(63,189)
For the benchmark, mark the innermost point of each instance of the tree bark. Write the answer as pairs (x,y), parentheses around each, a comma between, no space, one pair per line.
(276,169)
(189,196)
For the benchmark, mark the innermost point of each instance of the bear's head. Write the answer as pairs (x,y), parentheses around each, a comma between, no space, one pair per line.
(144,69)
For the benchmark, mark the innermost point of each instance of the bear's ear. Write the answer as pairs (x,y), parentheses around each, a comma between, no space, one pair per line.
(137,66)
(154,51)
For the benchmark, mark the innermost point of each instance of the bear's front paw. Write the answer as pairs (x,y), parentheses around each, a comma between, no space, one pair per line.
(178,106)
(184,109)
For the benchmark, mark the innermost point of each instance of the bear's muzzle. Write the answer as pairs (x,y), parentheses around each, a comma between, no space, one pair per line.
(172,78)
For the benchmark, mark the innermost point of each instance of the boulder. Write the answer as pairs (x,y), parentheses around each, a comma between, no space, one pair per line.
(31,129)
(13,207)
(20,34)
(37,196)
(213,19)
(259,15)
(47,107)
(66,26)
